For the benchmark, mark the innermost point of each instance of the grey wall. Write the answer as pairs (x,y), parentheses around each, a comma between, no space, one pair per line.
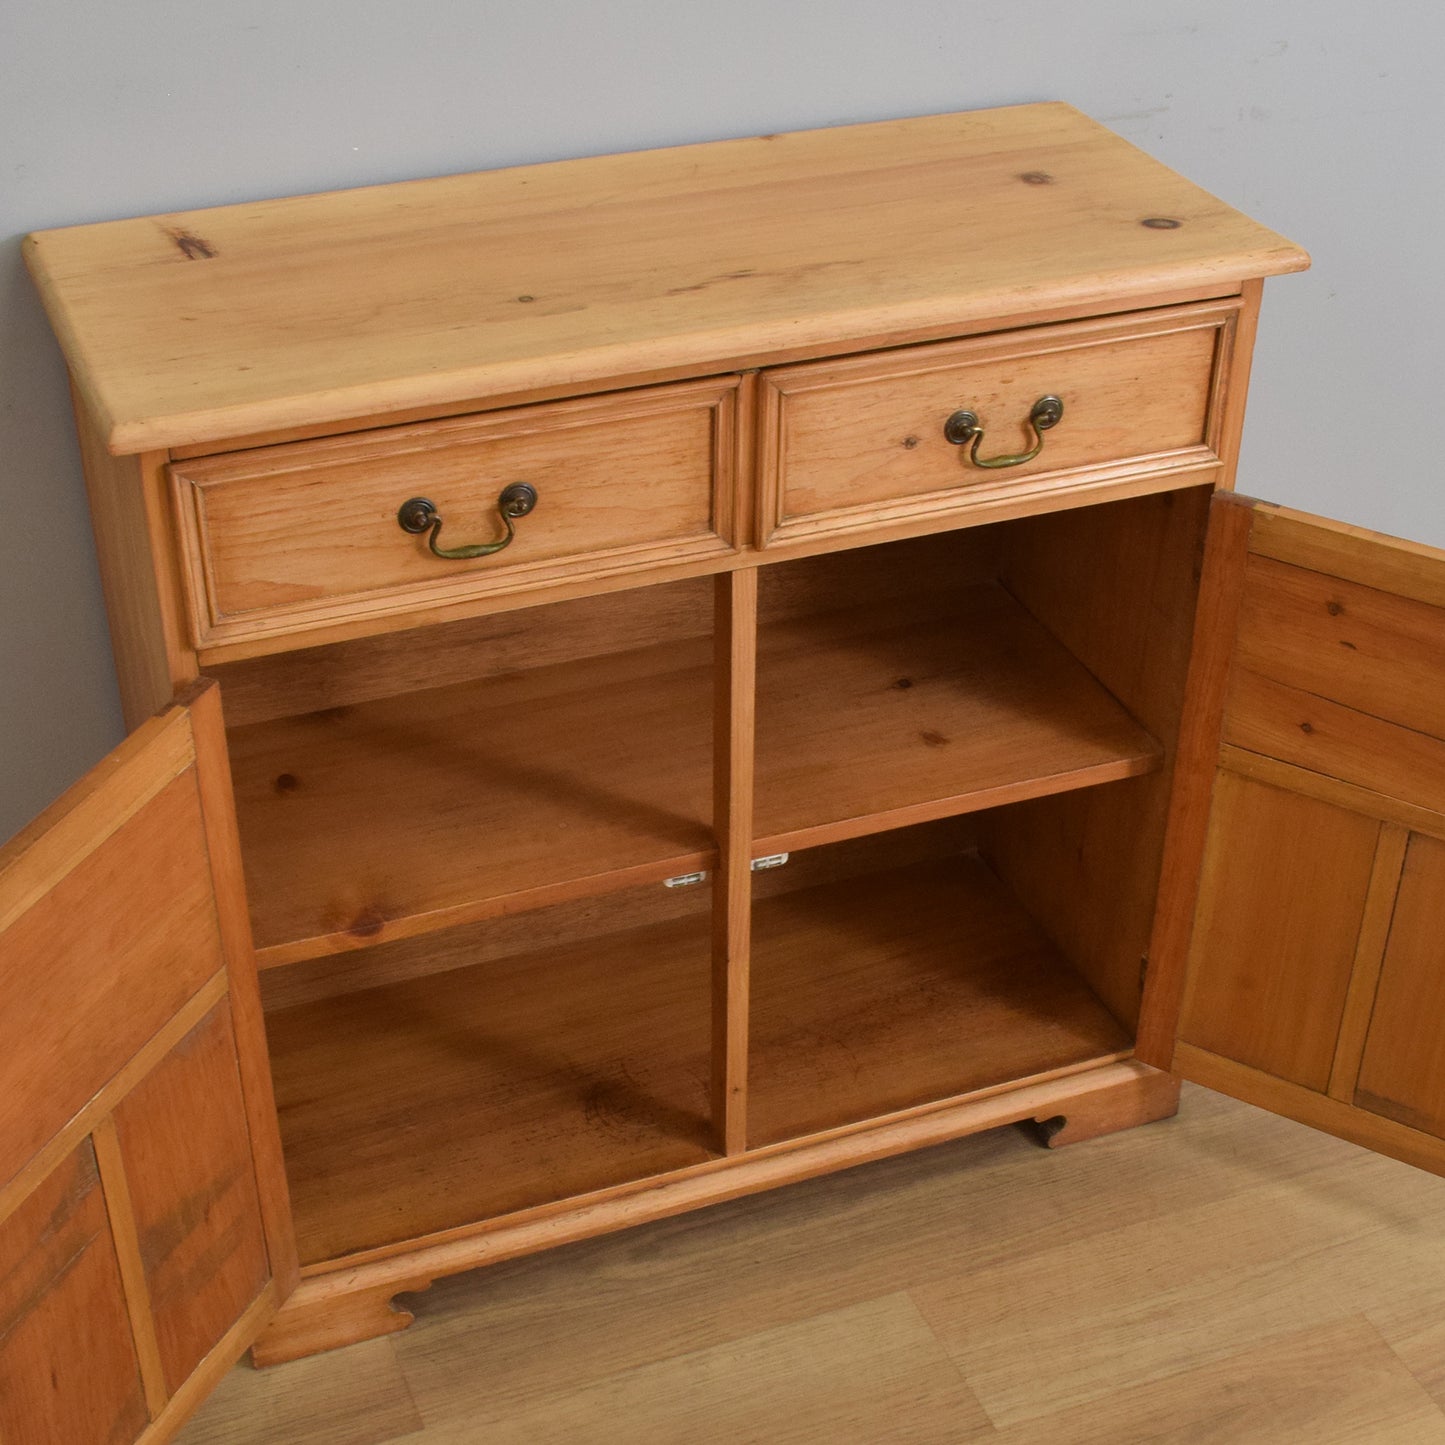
(1323,118)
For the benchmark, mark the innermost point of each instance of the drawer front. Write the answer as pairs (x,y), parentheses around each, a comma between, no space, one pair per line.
(280,542)
(860,443)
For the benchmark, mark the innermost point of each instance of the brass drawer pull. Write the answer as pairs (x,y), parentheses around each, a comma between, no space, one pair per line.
(417,514)
(964,427)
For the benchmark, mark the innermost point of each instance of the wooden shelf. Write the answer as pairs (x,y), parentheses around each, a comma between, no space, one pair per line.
(399,816)
(870,719)
(881,993)
(437,1102)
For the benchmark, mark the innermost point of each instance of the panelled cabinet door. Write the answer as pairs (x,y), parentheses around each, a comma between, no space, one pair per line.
(144,1227)
(1298,960)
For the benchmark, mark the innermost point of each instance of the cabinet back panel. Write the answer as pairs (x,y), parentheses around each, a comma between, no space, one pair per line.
(474,649)
(917,572)
(562,925)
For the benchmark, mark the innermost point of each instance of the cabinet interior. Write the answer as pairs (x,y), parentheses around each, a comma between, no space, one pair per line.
(483,997)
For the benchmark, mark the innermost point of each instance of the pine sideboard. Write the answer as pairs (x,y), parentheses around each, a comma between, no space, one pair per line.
(736,661)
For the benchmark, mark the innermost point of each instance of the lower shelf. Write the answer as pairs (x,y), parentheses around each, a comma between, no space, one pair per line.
(432,1103)
(422,1105)
(878,994)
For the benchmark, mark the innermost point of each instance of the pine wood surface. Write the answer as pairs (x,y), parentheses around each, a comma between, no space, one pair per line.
(367,823)
(1226,1277)
(197,1214)
(1117,585)
(1281,902)
(879,993)
(867,431)
(144,605)
(278,539)
(216,323)
(419,1106)
(869,719)
(91,964)
(67,1367)
(735,658)
(1402,1072)
(413,1107)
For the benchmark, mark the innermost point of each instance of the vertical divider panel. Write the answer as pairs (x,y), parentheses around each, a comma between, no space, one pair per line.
(735,631)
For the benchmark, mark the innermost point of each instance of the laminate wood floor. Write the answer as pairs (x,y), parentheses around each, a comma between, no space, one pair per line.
(1222,1277)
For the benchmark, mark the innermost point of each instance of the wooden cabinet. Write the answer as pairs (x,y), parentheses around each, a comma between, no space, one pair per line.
(813,774)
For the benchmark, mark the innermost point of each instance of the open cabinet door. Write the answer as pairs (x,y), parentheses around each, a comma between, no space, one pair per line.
(1298,960)
(144,1226)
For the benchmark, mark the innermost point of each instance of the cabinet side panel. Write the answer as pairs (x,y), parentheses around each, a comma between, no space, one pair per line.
(67,1368)
(151,657)
(1403,1072)
(196,1210)
(1280,907)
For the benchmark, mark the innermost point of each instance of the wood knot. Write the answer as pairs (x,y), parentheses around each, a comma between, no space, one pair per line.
(1334,608)
(1306,727)
(910,442)
(1161,223)
(367,924)
(903,684)
(933,739)
(1036,178)
(287,782)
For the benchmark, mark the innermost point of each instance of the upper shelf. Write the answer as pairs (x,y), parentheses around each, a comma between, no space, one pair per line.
(199,326)
(873,718)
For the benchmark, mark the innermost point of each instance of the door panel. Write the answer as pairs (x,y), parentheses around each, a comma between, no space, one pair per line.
(143,1232)
(1265,898)
(1402,1075)
(197,1214)
(1297,960)
(68,1371)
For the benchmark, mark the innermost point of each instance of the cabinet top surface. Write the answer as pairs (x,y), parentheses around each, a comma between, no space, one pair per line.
(197,326)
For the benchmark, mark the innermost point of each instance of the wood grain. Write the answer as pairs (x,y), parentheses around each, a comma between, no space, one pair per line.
(349,1294)
(407,814)
(1327,737)
(583,270)
(95,967)
(411,1108)
(125,1239)
(1347,1121)
(866,433)
(67,1368)
(735,691)
(910,717)
(1367,649)
(879,994)
(1208,1279)
(1402,1073)
(277,540)
(1355,554)
(196,1210)
(1374,936)
(1281,904)
(1211,659)
(1117,585)
(148,633)
(223,849)
(473,649)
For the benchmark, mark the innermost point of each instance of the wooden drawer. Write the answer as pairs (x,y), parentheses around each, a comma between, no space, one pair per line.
(859,443)
(279,544)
